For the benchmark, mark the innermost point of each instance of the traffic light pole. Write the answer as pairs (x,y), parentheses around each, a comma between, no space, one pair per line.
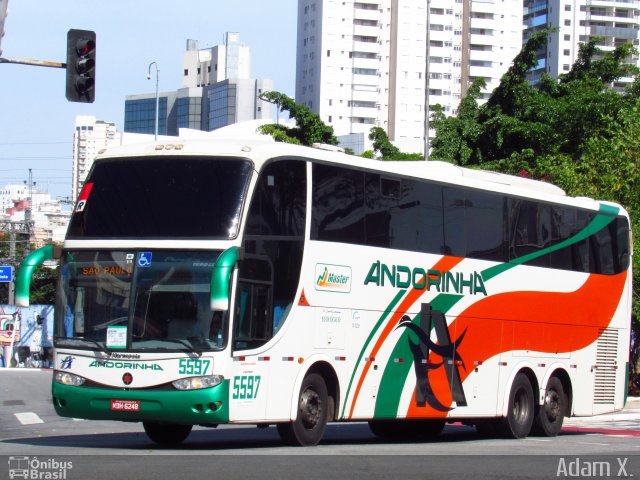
(36,63)
(80,65)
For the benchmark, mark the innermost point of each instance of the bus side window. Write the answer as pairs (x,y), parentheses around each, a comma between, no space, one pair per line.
(253,326)
(273,244)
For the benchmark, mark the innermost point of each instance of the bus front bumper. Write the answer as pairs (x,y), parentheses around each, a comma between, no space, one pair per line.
(194,407)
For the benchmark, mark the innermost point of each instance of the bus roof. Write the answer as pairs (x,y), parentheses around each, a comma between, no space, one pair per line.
(262,148)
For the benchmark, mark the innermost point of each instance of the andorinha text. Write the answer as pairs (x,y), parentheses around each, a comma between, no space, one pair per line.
(127,365)
(401,276)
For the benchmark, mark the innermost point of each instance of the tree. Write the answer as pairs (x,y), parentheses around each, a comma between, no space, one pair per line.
(309,127)
(43,286)
(386,150)
(575,131)
(458,137)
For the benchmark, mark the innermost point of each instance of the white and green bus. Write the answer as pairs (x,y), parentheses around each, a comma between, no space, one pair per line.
(214,281)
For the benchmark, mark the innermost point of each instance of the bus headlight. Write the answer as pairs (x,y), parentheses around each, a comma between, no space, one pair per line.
(66,378)
(197,383)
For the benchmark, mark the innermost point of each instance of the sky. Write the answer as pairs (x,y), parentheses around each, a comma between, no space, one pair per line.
(36,120)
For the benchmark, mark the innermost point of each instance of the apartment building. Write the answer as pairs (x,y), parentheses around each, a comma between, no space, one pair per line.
(363,63)
(616,22)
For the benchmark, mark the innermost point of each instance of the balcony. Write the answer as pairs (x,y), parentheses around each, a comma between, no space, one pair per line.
(366,31)
(366,47)
(360,14)
(630,33)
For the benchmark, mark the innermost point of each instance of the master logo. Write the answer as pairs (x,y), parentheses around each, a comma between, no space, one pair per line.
(333,278)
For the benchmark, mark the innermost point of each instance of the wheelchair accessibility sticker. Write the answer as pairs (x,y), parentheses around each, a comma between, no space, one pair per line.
(144,259)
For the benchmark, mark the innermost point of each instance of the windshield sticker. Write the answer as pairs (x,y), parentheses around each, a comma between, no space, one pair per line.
(144,259)
(116,337)
(84,196)
(333,278)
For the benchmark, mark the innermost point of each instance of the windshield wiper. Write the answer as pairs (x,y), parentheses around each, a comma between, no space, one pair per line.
(79,341)
(183,342)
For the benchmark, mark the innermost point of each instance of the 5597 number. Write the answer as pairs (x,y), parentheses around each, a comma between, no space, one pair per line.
(246,387)
(193,366)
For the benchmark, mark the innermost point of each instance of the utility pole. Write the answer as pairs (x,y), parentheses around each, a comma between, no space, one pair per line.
(427,72)
(18,232)
(27,213)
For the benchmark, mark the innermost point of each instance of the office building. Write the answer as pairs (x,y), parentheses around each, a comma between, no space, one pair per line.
(217,90)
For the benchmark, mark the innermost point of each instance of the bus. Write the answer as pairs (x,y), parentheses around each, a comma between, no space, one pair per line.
(222,280)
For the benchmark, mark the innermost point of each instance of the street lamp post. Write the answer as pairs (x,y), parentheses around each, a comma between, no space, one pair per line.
(427,72)
(157,99)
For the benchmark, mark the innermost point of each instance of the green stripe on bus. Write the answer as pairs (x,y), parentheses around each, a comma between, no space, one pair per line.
(597,224)
(395,372)
(394,376)
(375,328)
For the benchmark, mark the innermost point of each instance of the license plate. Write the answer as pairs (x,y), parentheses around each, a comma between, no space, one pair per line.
(125,405)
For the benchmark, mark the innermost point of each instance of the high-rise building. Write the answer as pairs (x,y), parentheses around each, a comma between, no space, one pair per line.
(362,63)
(616,22)
(89,138)
(217,90)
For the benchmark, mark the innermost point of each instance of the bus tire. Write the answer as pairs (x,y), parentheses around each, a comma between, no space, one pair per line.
(406,429)
(312,415)
(520,412)
(167,433)
(550,415)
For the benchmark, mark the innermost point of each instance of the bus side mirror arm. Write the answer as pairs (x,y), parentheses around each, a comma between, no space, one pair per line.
(221,277)
(28,266)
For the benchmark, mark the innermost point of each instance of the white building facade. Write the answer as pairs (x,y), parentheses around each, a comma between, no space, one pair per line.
(203,67)
(361,63)
(49,217)
(616,22)
(90,136)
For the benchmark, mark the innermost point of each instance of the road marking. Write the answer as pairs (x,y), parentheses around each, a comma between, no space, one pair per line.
(593,443)
(28,418)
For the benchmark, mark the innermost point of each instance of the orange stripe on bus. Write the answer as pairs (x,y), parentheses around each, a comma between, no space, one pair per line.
(444,264)
(549,322)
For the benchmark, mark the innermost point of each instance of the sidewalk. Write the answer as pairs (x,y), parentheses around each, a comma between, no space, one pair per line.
(630,413)
(633,403)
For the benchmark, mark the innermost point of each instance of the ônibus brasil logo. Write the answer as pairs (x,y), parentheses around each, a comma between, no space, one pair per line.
(333,278)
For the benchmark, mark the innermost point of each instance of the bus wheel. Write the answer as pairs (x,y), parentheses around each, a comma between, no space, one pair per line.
(167,433)
(519,419)
(550,416)
(311,419)
(409,429)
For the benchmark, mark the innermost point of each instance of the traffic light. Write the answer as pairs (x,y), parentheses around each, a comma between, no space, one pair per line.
(81,66)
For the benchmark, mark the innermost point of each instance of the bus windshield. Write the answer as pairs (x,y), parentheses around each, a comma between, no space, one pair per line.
(138,300)
(161,197)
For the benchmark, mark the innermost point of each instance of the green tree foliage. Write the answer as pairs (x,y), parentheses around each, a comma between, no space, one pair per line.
(43,286)
(309,127)
(576,131)
(458,137)
(385,150)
